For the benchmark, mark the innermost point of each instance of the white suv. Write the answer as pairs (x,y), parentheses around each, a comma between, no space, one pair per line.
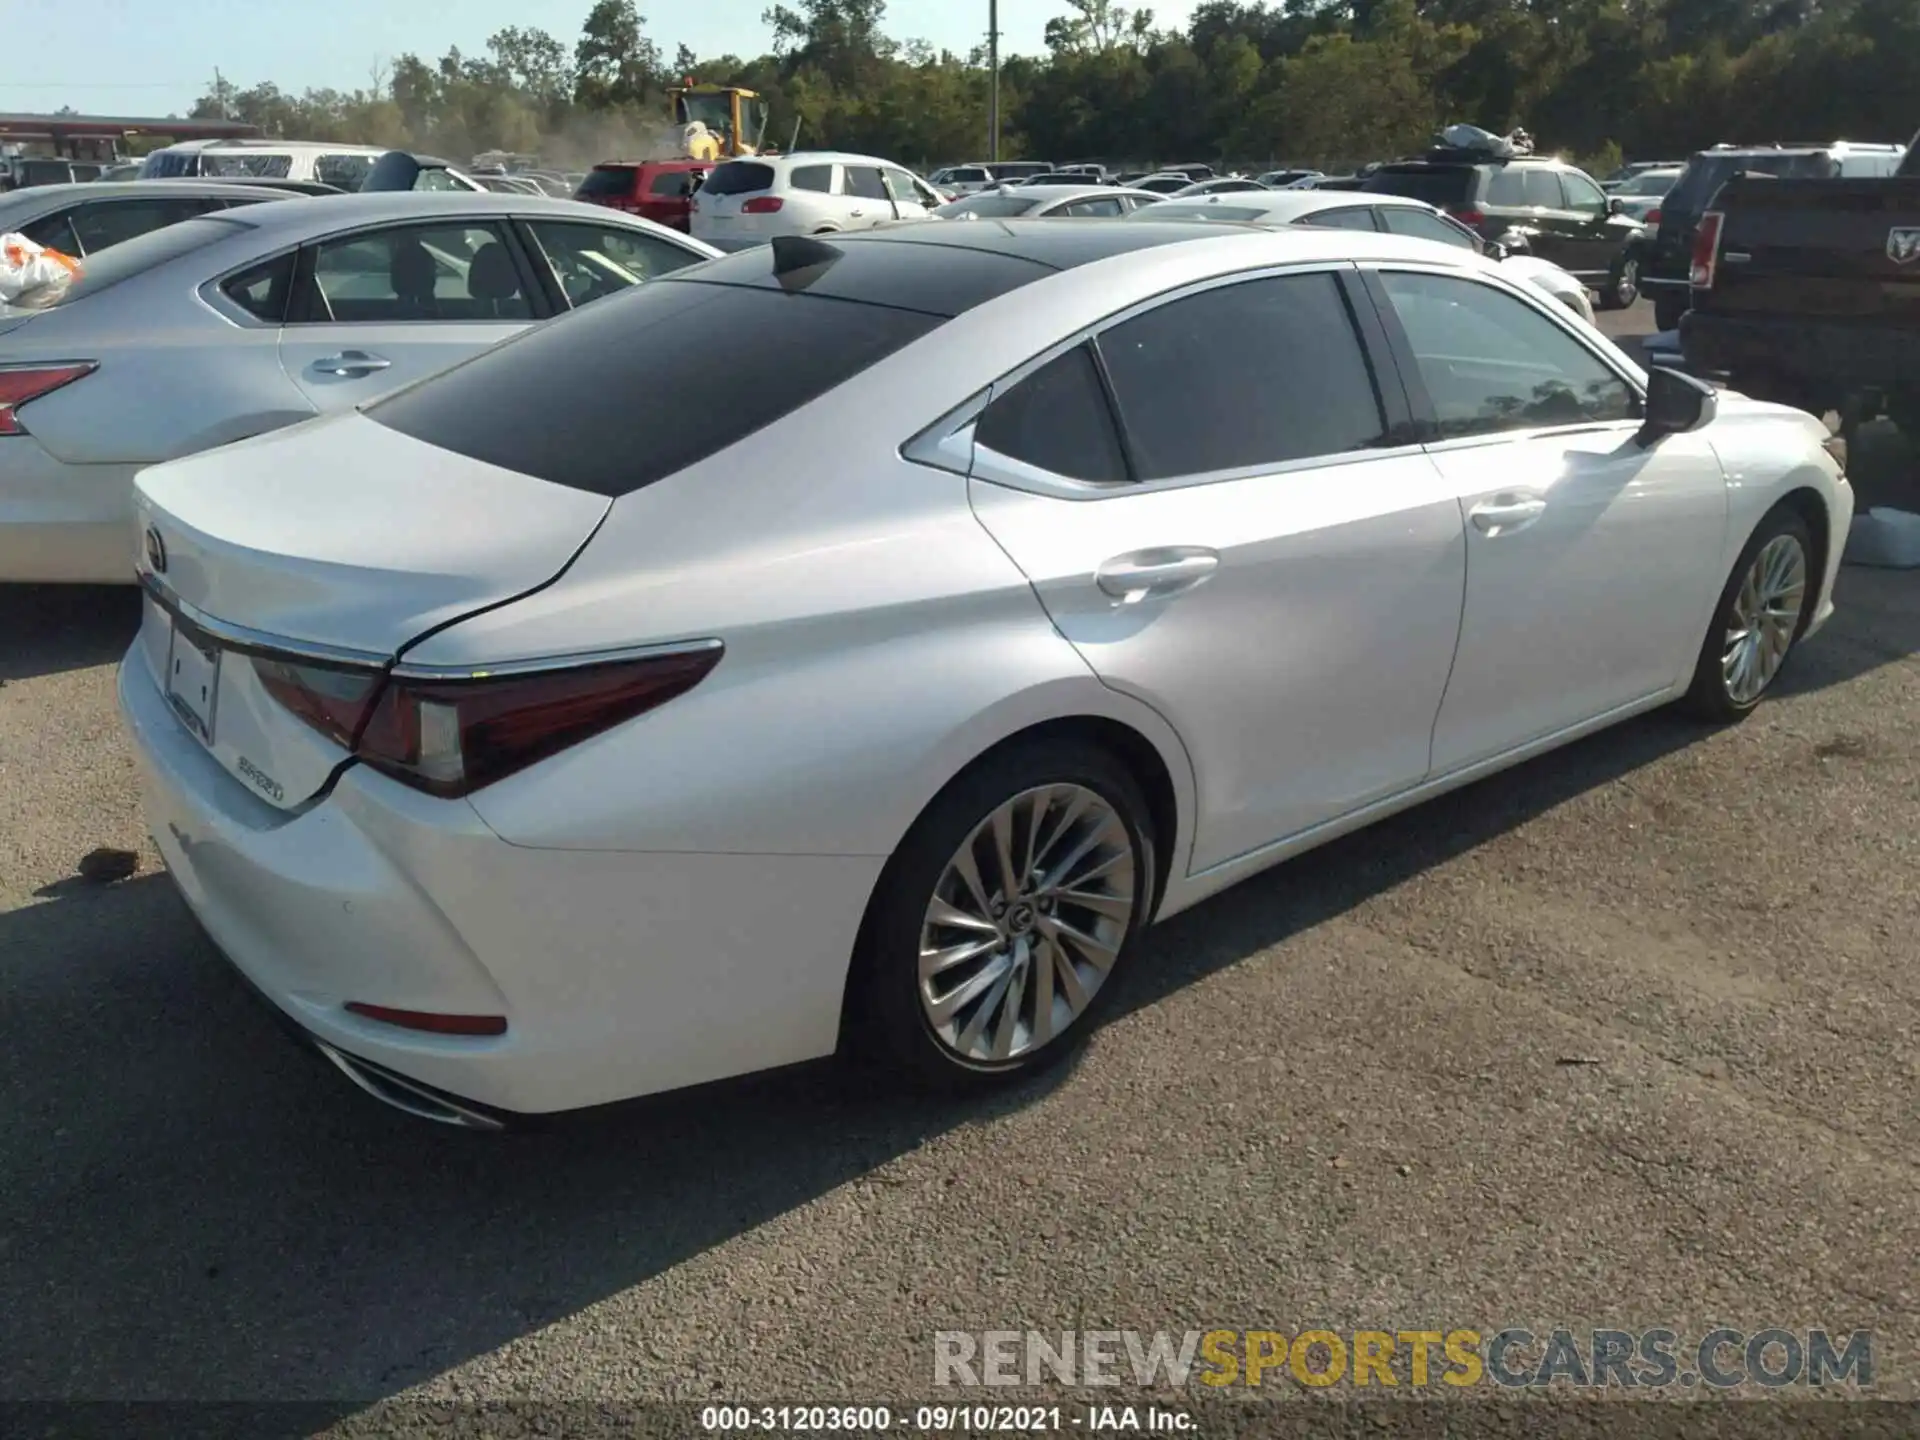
(963,179)
(749,201)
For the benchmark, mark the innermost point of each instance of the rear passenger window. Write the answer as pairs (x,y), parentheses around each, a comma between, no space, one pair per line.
(1349,219)
(672,182)
(813,177)
(55,232)
(1058,420)
(262,291)
(1403,220)
(1507,189)
(1244,375)
(1542,188)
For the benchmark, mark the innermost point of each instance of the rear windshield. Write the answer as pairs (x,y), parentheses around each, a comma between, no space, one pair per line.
(739,177)
(1440,185)
(605,180)
(251,163)
(989,207)
(108,267)
(1705,174)
(632,389)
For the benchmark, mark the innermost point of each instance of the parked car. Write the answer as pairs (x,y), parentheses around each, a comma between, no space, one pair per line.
(1633,170)
(1163,183)
(1393,214)
(1009,172)
(406,170)
(25,172)
(230,324)
(888,697)
(1669,259)
(1036,201)
(1640,195)
(1534,203)
(659,190)
(1062,177)
(121,170)
(1804,292)
(963,179)
(1281,179)
(83,219)
(344,166)
(812,192)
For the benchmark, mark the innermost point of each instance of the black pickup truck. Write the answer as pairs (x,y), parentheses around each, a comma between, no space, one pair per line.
(1808,292)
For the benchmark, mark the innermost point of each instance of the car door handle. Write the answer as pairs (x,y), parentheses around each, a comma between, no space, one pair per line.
(1504,514)
(856,213)
(1153,574)
(351,362)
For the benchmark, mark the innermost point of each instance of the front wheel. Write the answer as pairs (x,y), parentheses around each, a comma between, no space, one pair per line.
(999,923)
(1623,285)
(1761,613)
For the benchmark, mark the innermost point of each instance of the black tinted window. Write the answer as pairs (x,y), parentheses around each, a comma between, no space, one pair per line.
(673,182)
(1351,219)
(607,182)
(1490,363)
(1424,225)
(55,232)
(739,177)
(1437,185)
(1251,374)
(612,397)
(1057,419)
(262,291)
(813,177)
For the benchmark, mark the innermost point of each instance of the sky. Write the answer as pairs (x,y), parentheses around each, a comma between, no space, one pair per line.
(156,57)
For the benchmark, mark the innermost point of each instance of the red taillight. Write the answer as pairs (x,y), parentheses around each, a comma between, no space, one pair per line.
(1653,216)
(21,383)
(431,1023)
(333,701)
(1706,250)
(762,205)
(1466,215)
(449,737)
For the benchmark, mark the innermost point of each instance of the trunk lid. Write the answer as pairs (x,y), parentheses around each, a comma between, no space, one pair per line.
(333,543)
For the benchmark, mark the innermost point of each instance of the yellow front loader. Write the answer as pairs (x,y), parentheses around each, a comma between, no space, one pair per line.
(719,122)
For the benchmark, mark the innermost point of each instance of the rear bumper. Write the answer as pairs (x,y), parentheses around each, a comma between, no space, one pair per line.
(62,523)
(1827,360)
(620,974)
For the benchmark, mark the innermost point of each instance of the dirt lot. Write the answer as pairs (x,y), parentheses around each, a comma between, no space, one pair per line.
(1629,1036)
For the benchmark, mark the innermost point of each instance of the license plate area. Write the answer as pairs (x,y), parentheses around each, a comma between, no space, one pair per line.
(193,678)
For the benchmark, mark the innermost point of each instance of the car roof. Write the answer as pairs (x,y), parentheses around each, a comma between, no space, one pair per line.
(1062,192)
(1288,204)
(383,205)
(42,198)
(944,269)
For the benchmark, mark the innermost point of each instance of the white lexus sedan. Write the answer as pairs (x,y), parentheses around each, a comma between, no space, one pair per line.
(548,733)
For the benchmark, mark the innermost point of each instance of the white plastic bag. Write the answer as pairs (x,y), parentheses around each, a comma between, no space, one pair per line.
(32,275)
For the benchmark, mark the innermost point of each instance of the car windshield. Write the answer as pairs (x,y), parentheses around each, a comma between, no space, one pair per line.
(1707,172)
(1440,185)
(987,207)
(129,258)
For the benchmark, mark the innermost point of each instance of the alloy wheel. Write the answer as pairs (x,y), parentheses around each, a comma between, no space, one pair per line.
(1765,619)
(1626,285)
(1025,923)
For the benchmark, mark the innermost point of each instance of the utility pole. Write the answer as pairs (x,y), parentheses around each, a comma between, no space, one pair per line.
(993,90)
(220,93)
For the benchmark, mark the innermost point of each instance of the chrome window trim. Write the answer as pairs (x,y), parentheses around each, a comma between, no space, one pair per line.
(939,444)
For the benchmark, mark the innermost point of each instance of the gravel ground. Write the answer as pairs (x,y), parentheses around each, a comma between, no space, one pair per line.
(1624,1037)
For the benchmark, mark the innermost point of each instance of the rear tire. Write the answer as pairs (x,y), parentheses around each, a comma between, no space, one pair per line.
(1030,939)
(1623,285)
(1763,609)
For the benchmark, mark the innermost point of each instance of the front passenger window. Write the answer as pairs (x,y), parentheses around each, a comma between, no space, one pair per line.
(1491,363)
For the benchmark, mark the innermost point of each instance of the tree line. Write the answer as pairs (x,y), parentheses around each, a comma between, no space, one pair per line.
(1329,83)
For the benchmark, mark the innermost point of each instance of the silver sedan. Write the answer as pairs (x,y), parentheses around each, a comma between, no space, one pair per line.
(1036,202)
(242,321)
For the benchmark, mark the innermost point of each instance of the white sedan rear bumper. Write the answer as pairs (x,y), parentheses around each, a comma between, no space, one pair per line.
(620,974)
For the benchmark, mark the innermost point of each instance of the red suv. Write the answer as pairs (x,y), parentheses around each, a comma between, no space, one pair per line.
(657,190)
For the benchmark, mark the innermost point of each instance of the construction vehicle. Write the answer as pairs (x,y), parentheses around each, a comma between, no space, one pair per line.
(718,122)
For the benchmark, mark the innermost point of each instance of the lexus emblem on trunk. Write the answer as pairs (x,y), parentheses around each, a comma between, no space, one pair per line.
(1903,244)
(156,552)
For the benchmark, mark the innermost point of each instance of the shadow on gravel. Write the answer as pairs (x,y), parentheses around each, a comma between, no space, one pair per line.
(52,628)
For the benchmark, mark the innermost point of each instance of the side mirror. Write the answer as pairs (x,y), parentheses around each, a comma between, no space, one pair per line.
(1495,250)
(1616,206)
(1676,404)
